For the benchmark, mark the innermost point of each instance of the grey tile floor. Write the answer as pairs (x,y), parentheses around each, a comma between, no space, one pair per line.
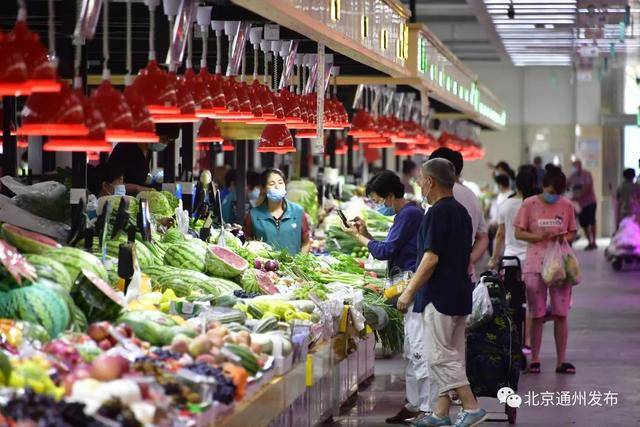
(604,345)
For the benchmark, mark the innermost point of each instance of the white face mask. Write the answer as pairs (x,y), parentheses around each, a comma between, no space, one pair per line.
(253,196)
(119,190)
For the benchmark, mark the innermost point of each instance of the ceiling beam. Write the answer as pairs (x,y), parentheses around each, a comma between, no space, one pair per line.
(480,11)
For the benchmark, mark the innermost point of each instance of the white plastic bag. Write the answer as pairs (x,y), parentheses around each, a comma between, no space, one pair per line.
(572,267)
(481,307)
(553,269)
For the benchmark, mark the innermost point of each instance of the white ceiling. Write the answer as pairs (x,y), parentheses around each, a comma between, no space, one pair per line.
(541,32)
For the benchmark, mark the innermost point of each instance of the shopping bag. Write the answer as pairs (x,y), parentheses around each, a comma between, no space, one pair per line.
(571,267)
(481,307)
(553,268)
(396,283)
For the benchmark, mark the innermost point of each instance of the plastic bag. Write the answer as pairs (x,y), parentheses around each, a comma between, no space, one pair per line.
(48,199)
(572,268)
(553,269)
(481,307)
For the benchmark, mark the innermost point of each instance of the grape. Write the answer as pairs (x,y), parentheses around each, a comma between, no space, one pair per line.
(225,391)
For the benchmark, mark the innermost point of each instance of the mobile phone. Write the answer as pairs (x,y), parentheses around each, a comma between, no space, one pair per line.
(343,218)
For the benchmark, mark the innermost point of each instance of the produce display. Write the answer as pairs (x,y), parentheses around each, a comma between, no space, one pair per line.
(183,326)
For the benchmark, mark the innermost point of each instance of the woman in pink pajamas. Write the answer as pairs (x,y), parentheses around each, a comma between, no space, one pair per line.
(540,221)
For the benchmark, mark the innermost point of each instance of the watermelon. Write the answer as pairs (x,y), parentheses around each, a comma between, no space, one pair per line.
(221,262)
(173,235)
(231,241)
(187,255)
(185,282)
(74,260)
(97,300)
(257,281)
(27,241)
(50,269)
(39,304)
(154,327)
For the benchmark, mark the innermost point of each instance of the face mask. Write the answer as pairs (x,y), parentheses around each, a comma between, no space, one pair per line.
(157,147)
(253,196)
(385,210)
(275,195)
(425,197)
(550,198)
(119,190)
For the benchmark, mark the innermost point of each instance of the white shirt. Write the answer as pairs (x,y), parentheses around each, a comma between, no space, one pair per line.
(506,215)
(495,205)
(466,197)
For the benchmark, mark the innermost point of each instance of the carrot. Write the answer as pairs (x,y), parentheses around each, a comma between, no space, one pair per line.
(239,376)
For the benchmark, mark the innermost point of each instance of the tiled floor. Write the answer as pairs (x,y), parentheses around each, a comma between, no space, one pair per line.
(604,345)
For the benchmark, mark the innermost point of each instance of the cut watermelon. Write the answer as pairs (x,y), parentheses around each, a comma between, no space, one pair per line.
(28,241)
(221,262)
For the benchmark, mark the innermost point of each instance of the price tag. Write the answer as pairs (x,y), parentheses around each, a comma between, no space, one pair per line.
(272,32)
(77,194)
(309,371)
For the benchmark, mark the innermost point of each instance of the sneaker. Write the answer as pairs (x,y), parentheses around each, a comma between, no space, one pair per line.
(470,419)
(403,416)
(433,421)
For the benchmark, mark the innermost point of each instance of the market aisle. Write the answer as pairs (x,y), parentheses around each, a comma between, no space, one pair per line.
(604,345)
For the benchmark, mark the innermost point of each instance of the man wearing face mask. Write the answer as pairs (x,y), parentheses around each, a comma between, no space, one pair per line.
(387,191)
(113,183)
(440,292)
(276,220)
(134,160)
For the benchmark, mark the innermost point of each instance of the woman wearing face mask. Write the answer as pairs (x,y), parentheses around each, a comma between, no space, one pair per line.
(276,220)
(540,221)
(399,249)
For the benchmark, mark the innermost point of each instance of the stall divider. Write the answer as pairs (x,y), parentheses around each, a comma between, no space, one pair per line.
(9,147)
(241,177)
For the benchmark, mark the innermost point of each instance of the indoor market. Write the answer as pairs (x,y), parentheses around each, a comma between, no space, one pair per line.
(340,213)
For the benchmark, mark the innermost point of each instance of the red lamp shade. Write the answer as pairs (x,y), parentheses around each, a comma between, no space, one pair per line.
(156,90)
(144,127)
(203,147)
(200,94)
(276,139)
(362,125)
(42,73)
(53,114)
(216,90)
(307,134)
(341,147)
(13,70)
(244,112)
(94,141)
(186,103)
(227,145)
(115,112)
(209,132)
(233,104)
(23,142)
(372,140)
(355,146)
(404,149)
(291,107)
(93,156)
(266,102)
(256,105)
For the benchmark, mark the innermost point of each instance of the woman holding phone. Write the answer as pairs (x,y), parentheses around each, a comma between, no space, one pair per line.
(399,249)
(542,220)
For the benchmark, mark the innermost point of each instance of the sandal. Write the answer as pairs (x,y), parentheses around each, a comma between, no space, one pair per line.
(566,368)
(534,368)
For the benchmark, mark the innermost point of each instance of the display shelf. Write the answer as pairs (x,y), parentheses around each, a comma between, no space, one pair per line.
(444,77)
(308,394)
(371,32)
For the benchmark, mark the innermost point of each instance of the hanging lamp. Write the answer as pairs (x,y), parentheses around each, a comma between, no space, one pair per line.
(144,126)
(42,75)
(362,125)
(13,70)
(153,84)
(53,114)
(275,139)
(94,141)
(227,145)
(209,132)
(107,100)
(404,149)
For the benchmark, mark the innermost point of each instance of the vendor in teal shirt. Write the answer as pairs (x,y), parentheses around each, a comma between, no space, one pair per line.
(276,220)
